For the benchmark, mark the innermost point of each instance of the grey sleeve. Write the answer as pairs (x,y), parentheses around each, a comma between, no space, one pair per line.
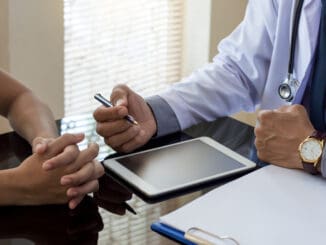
(165,117)
(323,163)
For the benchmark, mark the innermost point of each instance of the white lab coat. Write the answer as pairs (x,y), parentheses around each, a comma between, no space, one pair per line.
(251,64)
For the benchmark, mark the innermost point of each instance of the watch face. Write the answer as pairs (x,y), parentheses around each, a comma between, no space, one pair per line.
(311,150)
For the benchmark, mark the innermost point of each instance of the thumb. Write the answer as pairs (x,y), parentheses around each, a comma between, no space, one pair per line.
(119,96)
(40,144)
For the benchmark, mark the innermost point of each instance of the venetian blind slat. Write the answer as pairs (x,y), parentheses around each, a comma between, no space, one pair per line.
(137,42)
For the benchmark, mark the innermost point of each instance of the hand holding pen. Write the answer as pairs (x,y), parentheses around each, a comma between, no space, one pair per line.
(119,129)
(107,103)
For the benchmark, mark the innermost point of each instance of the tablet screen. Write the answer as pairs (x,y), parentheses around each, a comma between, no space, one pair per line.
(179,164)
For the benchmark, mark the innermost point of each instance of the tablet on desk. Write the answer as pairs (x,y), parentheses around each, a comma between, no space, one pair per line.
(176,169)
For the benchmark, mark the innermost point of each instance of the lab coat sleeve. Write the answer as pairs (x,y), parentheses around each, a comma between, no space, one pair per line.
(236,78)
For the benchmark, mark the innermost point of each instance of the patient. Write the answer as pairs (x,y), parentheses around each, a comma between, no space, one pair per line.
(57,171)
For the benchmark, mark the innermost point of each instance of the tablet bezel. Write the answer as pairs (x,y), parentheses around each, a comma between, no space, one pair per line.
(151,194)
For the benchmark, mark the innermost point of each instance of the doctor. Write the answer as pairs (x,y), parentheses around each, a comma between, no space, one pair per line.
(270,62)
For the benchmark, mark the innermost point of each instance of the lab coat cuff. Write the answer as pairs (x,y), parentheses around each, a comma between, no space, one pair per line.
(166,120)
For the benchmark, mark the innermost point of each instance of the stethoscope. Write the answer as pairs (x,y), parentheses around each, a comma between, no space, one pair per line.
(289,86)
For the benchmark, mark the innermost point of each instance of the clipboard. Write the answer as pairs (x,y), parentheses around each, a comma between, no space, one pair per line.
(193,236)
(171,233)
(269,206)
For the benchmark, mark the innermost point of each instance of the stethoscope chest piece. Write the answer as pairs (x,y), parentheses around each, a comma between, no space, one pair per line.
(288,88)
(290,85)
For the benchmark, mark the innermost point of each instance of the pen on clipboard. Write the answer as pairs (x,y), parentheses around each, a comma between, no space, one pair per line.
(129,208)
(107,103)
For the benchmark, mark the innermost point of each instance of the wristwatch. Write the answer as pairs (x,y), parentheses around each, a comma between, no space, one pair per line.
(311,150)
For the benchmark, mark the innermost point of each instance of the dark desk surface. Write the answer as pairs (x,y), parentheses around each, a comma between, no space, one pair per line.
(90,224)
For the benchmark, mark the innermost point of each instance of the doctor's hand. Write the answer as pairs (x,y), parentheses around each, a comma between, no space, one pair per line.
(112,196)
(118,133)
(279,134)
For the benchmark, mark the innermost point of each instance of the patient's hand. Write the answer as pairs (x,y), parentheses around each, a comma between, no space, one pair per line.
(75,176)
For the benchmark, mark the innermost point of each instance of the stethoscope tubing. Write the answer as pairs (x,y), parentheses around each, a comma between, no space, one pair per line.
(294,35)
(288,86)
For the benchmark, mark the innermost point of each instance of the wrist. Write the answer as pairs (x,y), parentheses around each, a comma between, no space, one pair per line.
(153,122)
(311,151)
(11,191)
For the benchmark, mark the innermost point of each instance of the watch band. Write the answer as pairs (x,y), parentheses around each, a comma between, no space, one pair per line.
(310,167)
(318,135)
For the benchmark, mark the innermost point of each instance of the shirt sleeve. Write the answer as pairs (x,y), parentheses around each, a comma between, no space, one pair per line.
(235,80)
(165,117)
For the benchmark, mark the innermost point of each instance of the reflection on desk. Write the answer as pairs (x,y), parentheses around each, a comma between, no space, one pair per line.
(38,224)
(51,224)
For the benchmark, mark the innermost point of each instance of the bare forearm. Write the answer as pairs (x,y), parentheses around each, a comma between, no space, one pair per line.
(31,118)
(26,113)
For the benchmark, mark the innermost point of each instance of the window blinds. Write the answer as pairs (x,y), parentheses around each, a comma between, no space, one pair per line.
(137,42)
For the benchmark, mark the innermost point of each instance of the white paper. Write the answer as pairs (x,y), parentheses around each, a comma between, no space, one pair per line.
(270,206)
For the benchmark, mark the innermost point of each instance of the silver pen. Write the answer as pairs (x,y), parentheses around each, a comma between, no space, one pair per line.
(107,103)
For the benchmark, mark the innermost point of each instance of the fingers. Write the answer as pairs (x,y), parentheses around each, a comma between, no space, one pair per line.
(119,98)
(107,129)
(90,171)
(40,144)
(119,95)
(138,141)
(59,144)
(83,181)
(85,156)
(266,117)
(104,114)
(69,154)
(283,112)
(73,203)
(261,142)
(77,193)
(122,138)
(292,108)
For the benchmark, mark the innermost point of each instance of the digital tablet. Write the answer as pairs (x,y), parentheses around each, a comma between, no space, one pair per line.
(176,169)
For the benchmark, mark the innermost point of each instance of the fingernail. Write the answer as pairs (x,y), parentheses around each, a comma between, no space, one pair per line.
(119,102)
(66,181)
